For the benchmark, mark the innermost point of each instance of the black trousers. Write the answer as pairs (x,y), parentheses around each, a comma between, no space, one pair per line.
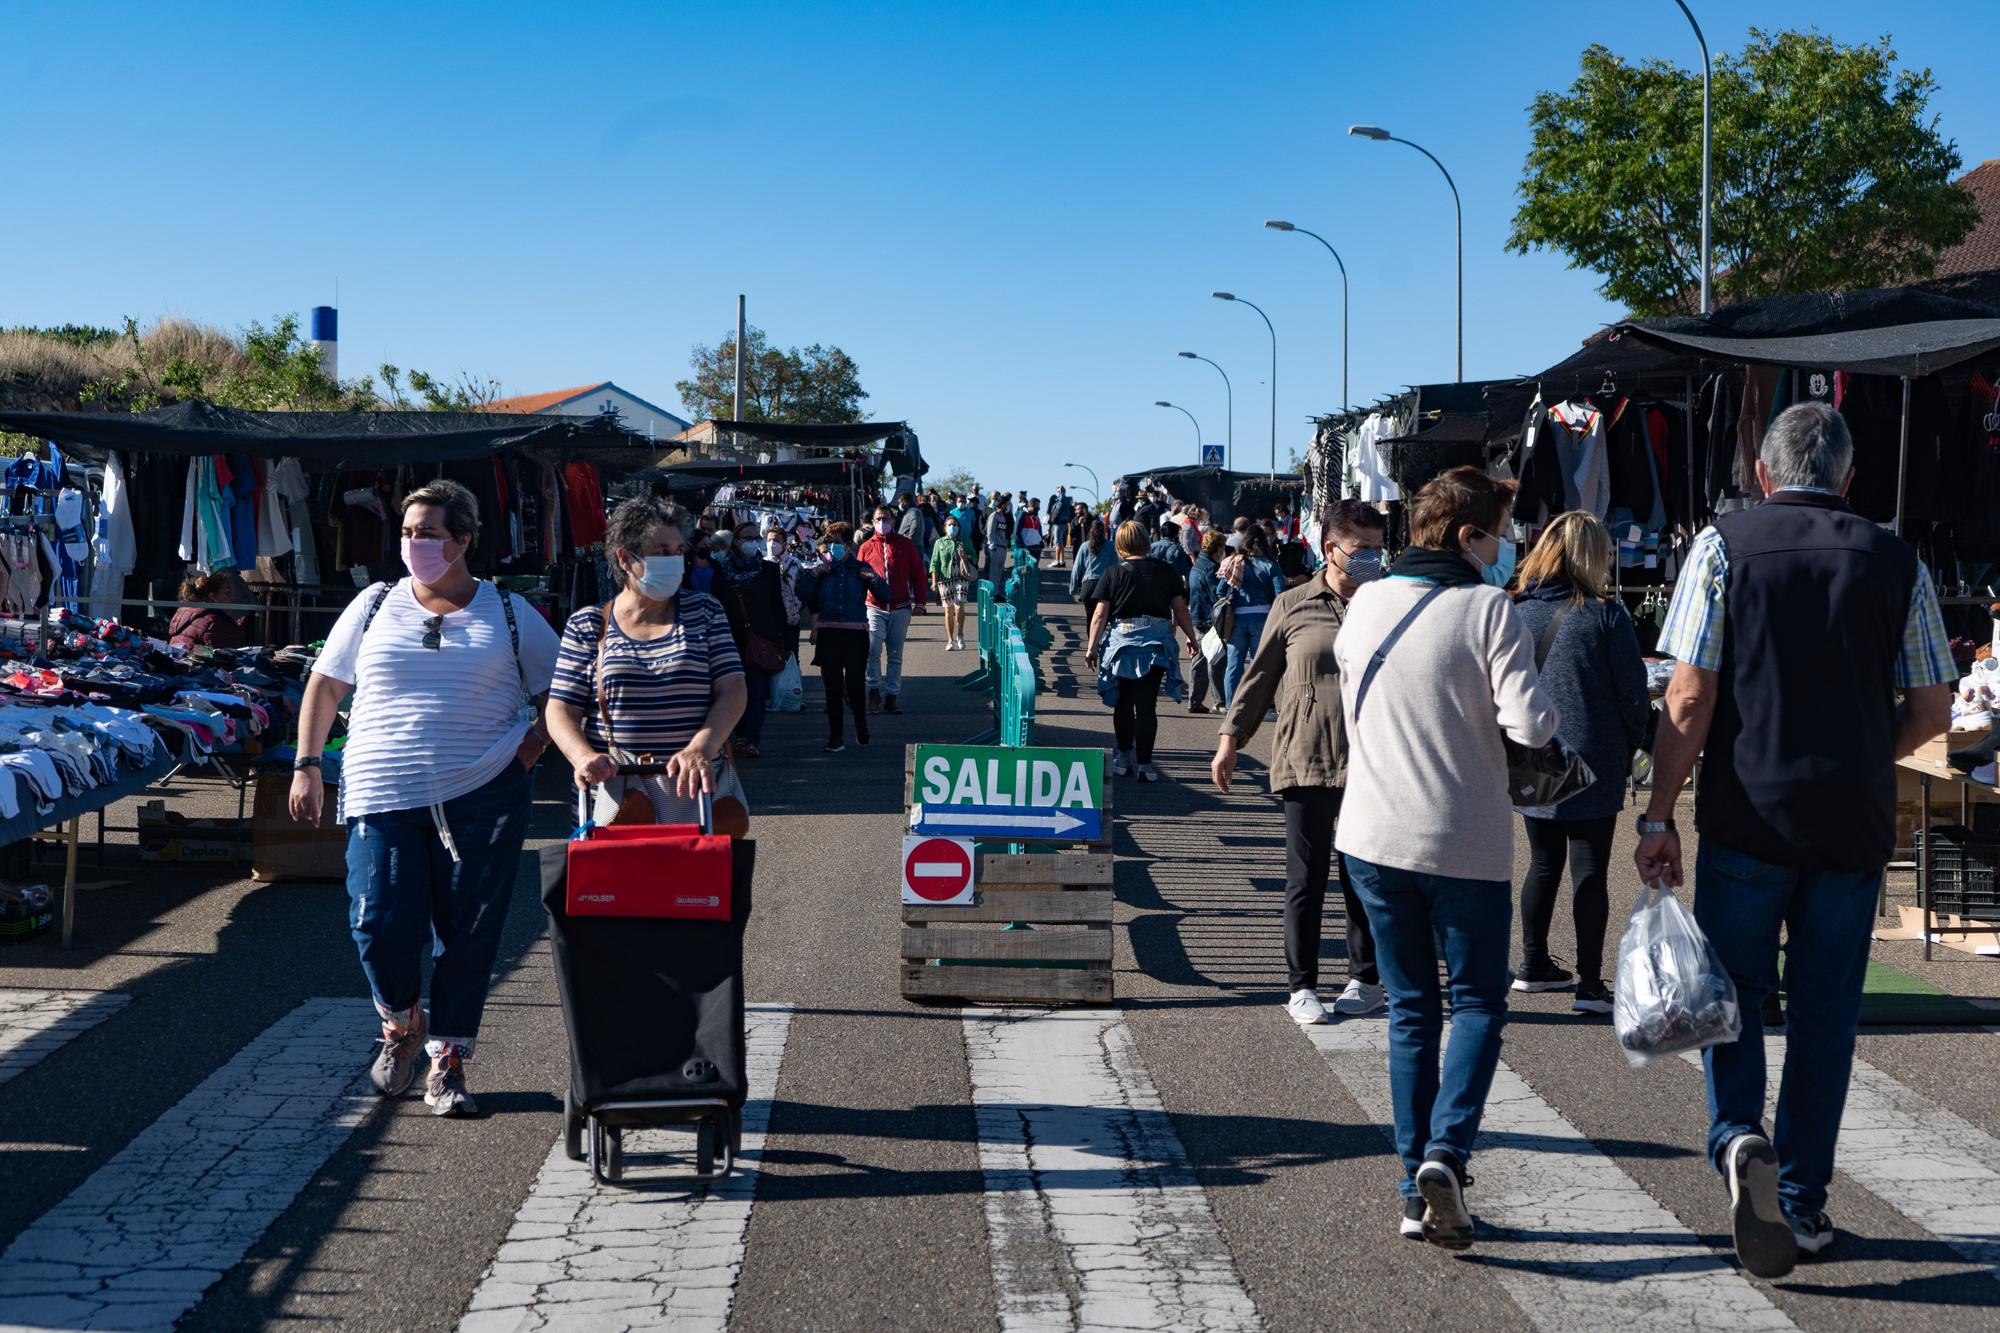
(848,682)
(1309,857)
(1587,845)
(1135,718)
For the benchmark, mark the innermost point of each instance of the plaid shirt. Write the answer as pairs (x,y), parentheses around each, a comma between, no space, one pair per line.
(1693,632)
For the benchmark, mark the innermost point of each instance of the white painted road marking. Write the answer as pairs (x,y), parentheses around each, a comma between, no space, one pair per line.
(136,1245)
(585,1255)
(35,1022)
(1594,1250)
(1930,1164)
(1094,1218)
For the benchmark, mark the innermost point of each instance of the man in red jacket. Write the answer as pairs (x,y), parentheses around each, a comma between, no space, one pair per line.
(896,558)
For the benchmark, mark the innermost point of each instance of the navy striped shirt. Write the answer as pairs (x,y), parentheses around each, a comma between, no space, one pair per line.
(658,690)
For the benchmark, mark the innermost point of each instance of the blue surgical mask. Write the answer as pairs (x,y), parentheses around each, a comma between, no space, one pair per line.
(662,577)
(1501,572)
(836,550)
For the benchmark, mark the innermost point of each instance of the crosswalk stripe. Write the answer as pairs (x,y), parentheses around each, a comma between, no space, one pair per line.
(1595,1250)
(136,1245)
(35,1022)
(1094,1218)
(607,1257)
(1928,1163)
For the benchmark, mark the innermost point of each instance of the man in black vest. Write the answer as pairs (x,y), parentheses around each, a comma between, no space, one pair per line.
(1794,624)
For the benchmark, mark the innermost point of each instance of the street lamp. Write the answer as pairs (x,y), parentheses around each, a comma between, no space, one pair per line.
(1458,212)
(1231,296)
(1229,392)
(1093,478)
(1286,226)
(1190,416)
(1707,143)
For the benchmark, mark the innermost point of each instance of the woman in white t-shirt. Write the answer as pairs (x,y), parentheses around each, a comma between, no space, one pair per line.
(447,674)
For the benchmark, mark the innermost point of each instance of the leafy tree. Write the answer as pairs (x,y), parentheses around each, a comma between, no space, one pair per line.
(1828,173)
(958,479)
(463,394)
(279,370)
(790,385)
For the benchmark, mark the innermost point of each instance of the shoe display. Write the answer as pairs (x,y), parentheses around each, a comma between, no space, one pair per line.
(1765,1244)
(1812,1234)
(1305,1008)
(1441,1181)
(1592,997)
(1361,997)
(396,1063)
(1412,1227)
(444,1091)
(1544,976)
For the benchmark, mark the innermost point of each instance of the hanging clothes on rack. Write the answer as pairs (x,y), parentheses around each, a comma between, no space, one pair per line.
(115,546)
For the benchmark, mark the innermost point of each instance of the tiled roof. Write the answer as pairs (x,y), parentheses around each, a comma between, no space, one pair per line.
(1979,252)
(528,404)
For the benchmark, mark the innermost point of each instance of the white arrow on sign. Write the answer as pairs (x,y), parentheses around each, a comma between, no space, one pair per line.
(1057,823)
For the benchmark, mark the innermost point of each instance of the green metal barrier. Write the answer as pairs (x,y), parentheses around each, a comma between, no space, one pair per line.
(980,679)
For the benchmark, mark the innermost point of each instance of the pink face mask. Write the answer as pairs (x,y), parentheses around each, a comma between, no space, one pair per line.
(884,527)
(424,557)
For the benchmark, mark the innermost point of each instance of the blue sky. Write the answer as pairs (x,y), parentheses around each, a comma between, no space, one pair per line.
(1012,216)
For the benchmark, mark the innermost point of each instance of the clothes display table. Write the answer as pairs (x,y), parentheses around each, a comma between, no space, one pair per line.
(63,823)
(1929,765)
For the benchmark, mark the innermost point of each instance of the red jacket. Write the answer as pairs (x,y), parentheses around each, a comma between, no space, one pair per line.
(896,559)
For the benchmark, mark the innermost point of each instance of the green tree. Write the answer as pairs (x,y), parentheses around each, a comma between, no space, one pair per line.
(793,385)
(463,394)
(958,479)
(1828,173)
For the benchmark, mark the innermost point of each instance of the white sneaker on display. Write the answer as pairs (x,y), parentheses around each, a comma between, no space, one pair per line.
(1305,1008)
(1361,997)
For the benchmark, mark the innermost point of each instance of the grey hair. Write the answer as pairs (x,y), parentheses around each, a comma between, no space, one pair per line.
(461,509)
(631,521)
(1808,445)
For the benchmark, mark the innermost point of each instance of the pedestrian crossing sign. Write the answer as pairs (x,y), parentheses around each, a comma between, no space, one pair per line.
(1211,455)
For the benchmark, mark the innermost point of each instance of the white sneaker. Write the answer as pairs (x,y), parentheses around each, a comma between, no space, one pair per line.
(951,645)
(1305,1008)
(1147,773)
(1121,764)
(1360,998)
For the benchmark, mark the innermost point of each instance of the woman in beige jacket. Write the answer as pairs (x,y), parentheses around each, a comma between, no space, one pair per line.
(1294,665)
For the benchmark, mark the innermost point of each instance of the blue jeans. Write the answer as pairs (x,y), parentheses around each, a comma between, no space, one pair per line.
(1409,912)
(408,895)
(1740,902)
(1242,647)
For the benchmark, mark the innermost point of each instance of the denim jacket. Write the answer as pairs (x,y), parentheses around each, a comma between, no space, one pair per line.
(1202,591)
(837,594)
(1128,654)
(1089,567)
(1263,582)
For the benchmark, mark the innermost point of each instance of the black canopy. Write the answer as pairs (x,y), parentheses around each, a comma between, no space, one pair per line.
(899,448)
(796,472)
(1887,331)
(326,439)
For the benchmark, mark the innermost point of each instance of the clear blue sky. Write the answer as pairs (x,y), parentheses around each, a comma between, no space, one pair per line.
(1011,215)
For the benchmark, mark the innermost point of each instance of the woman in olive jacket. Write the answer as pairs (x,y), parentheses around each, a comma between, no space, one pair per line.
(1294,665)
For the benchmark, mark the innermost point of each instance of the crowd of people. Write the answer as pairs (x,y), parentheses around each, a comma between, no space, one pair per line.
(1396,692)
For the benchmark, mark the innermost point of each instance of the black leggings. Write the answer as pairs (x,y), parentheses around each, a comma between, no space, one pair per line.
(1587,843)
(1135,718)
(850,682)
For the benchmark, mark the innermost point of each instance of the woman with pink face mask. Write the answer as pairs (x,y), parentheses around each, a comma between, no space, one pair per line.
(447,674)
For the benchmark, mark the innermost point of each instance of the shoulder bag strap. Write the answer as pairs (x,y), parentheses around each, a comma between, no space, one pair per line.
(1388,642)
(1549,635)
(381,596)
(513,634)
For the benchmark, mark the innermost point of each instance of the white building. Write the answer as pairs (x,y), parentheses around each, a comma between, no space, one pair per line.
(587,400)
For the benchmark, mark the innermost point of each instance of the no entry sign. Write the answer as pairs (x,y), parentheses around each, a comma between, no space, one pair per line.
(937,870)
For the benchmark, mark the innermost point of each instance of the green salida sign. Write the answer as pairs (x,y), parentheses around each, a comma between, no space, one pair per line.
(1002,792)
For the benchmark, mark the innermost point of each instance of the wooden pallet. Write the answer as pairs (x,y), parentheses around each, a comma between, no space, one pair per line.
(952,952)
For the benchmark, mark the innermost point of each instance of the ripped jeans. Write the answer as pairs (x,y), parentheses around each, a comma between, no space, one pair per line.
(406,894)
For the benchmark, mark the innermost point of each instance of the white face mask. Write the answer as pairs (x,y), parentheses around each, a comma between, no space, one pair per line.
(753,549)
(662,577)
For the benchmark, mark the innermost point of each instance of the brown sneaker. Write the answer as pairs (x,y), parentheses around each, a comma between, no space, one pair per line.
(444,1091)
(396,1063)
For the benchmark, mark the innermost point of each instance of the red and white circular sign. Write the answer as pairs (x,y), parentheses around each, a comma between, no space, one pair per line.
(937,870)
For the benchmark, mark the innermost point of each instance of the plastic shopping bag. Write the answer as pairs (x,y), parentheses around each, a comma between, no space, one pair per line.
(1672,993)
(788,690)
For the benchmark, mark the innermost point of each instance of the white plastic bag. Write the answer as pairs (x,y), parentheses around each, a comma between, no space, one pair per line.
(1673,993)
(788,689)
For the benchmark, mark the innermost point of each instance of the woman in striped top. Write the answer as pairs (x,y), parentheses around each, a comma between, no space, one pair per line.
(653,672)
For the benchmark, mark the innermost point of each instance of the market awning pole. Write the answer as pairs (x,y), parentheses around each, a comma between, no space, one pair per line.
(736,397)
(1694,492)
(1903,456)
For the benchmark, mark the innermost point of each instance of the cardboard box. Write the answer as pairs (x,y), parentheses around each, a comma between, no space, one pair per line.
(168,836)
(281,848)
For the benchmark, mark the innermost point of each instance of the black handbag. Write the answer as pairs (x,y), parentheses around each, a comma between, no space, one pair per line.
(1538,776)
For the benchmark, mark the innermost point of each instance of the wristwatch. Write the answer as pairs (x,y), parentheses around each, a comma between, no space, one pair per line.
(1647,828)
(304,762)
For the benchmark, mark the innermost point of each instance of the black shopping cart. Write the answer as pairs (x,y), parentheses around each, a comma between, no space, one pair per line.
(646,924)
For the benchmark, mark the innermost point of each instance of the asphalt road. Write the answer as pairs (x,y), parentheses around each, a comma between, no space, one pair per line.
(187,1144)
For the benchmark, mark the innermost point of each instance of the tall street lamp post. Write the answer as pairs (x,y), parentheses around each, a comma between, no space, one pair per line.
(1231,296)
(1286,226)
(1190,416)
(1229,398)
(1458,213)
(1707,144)
(1093,478)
